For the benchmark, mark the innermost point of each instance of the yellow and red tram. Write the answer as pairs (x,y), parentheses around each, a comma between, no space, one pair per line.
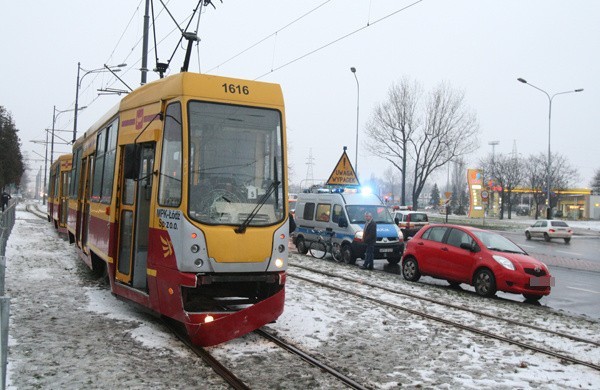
(180,194)
(57,205)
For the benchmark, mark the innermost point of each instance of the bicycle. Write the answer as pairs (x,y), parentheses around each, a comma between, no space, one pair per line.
(319,249)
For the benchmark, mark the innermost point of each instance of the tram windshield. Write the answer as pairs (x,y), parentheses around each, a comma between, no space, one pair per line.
(236,165)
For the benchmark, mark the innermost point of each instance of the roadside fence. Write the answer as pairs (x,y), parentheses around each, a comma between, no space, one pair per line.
(7,221)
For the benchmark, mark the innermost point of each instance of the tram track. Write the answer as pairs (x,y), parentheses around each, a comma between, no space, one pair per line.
(207,357)
(559,354)
(310,359)
(32,209)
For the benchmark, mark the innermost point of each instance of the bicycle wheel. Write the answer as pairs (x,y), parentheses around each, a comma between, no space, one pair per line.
(336,252)
(318,249)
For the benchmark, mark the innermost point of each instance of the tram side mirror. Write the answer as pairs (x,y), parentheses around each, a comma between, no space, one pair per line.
(132,161)
(343,222)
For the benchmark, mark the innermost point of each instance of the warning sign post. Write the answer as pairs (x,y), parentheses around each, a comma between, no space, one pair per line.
(343,174)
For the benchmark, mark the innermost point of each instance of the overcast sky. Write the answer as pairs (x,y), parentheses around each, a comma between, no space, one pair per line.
(478,47)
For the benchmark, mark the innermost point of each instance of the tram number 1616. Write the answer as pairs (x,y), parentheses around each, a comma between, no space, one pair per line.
(232,88)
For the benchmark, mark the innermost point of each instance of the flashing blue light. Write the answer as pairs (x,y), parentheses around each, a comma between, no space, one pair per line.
(366,190)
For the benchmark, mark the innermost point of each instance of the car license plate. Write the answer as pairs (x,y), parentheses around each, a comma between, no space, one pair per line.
(386,250)
(541,281)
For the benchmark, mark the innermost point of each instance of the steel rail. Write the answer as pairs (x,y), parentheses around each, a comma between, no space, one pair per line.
(217,367)
(290,348)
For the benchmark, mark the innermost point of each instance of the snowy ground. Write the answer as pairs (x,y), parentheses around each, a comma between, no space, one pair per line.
(67,331)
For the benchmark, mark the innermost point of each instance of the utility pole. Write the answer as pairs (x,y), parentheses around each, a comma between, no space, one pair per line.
(144,68)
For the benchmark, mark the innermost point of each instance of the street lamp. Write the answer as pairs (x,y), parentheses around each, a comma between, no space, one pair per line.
(353,70)
(491,199)
(55,114)
(549,210)
(105,68)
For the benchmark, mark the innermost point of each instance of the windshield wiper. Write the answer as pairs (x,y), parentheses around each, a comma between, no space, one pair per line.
(242,228)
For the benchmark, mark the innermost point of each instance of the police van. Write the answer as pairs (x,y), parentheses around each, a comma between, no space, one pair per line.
(343,214)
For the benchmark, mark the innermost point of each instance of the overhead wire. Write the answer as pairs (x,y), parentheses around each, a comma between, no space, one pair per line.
(269,36)
(337,40)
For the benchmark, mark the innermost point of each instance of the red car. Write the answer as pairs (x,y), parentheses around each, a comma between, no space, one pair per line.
(481,258)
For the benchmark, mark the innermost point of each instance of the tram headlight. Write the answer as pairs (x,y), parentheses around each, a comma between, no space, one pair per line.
(195,248)
(208,319)
(279,262)
(199,263)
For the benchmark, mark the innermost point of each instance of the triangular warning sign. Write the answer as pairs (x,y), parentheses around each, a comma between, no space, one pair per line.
(343,174)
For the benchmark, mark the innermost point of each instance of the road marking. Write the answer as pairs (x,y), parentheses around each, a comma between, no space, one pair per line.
(570,253)
(583,289)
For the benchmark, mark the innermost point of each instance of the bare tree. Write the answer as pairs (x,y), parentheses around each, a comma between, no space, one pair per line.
(535,178)
(595,183)
(562,176)
(508,171)
(392,126)
(450,132)
(460,195)
(390,179)
(402,130)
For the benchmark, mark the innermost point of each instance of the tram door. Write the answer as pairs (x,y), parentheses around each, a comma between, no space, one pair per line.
(134,215)
(87,165)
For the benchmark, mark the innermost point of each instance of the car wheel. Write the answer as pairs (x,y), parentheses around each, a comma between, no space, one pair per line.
(528,235)
(394,260)
(301,246)
(484,283)
(347,254)
(532,297)
(567,240)
(410,269)
(546,237)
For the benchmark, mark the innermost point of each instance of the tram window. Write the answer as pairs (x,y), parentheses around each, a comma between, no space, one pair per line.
(105,164)
(109,162)
(76,169)
(169,190)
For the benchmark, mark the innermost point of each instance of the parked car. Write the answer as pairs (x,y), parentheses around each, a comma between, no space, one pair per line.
(481,258)
(549,229)
(410,222)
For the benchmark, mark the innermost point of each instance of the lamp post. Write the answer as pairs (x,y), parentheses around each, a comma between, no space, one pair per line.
(549,210)
(353,70)
(78,85)
(45,165)
(55,114)
(491,199)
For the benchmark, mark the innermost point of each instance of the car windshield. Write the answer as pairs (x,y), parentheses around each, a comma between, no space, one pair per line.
(357,213)
(559,224)
(496,242)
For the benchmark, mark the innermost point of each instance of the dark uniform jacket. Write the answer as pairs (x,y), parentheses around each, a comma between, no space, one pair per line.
(370,233)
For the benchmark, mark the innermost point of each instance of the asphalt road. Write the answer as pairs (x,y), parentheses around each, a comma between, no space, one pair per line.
(580,250)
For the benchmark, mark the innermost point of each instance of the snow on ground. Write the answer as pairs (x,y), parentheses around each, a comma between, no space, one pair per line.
(67,331)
